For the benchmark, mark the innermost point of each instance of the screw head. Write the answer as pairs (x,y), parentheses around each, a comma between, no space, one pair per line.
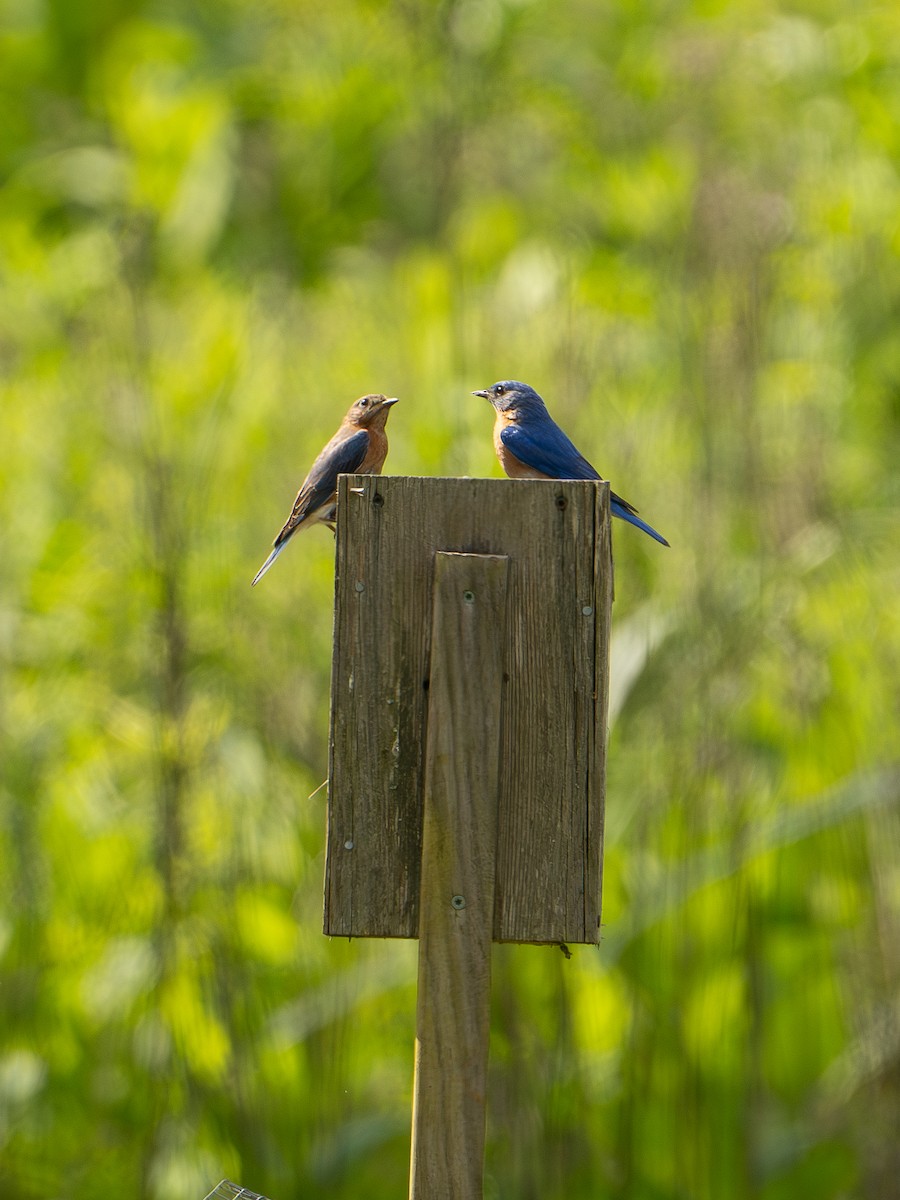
(458,902)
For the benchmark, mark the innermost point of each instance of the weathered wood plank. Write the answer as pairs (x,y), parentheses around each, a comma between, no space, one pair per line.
(595,721)
(459,846)
(556,536)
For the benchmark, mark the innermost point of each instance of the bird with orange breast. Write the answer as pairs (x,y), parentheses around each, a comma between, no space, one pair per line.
(530,445)
(359,447)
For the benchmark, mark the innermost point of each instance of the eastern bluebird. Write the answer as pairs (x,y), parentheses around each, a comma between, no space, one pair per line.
(359,447)
(530,445)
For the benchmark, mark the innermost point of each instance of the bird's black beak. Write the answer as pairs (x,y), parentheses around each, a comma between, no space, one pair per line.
(388,403)
(483,395)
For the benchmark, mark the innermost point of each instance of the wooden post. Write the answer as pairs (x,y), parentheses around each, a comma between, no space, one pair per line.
(459,846)
(467,767)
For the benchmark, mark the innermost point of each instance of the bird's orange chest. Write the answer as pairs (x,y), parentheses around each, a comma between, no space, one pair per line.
(513,466)
(376,452)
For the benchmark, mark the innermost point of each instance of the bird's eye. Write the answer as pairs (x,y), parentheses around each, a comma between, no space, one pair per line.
(364,403)
(499,389)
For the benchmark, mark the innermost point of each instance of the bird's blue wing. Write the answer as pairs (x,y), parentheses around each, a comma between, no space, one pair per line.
(543,446)
(340,458)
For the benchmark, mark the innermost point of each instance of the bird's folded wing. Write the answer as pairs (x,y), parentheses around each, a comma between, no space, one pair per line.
(338,458)
(545,448)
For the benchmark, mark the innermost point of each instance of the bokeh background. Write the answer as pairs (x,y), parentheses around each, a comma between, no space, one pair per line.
(219,224)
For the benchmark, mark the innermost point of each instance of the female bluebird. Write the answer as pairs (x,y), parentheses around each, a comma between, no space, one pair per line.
(359,447)
(530,445)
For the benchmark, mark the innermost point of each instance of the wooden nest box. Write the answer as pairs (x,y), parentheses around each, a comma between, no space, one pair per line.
(468,705)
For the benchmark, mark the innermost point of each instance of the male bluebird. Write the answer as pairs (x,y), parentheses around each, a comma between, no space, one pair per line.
(530,445)
(359,447)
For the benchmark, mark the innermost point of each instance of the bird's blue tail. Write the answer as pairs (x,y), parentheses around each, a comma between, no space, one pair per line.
(267,564)
(620,508)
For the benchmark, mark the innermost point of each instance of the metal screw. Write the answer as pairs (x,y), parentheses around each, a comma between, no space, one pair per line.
(561,503)
(469,597)
(348,845)
(586,611)
(360,587)
(458,902)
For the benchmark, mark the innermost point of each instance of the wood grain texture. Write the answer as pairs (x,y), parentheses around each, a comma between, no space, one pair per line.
(556,536)
(459,843)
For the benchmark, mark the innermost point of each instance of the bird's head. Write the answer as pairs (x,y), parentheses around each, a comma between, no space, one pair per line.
(510,394)
(371,410)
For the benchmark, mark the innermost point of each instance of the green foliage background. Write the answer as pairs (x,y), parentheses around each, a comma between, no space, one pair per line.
(219,224)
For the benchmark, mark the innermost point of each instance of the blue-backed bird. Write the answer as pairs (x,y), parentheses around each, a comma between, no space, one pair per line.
(359,447)
(530,445)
